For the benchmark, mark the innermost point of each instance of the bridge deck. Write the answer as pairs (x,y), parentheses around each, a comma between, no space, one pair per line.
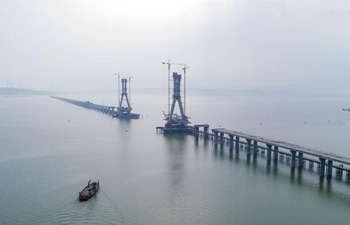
(281,144)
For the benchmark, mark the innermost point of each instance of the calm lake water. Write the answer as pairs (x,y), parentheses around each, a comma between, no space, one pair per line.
(50,149)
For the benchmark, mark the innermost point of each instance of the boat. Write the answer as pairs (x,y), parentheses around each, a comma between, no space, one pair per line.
(89,191)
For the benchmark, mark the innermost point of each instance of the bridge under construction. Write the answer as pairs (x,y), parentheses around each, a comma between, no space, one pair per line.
(176,123)
(122,111)
(298,155)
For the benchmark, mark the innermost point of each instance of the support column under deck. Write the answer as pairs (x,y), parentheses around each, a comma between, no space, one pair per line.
(275,153)
(255,146)
(216,137)
(322,166)
(205,132)
(249,145)
(222,140)
(231,141)
(237,143)
(330,168)
(269,149)
(196,133)
(300,160)
(293,153)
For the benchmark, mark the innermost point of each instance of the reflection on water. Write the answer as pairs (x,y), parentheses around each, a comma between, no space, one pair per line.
(48,155)
(325,184)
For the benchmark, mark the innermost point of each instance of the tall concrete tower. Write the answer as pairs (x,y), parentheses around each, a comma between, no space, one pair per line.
(124,110)
(174,120)
(124,94)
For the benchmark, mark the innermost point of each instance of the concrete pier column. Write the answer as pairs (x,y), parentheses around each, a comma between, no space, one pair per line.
(249,145)
(231,141)
(311,164)
(255,146)
(237,143)
(216,137)
(339,173)
(301,159)
(348,175)
(222,140)
(330,168)
(269,149)
(205,132)
(293,158)
(275,153)
(196,133)
(322,166)
(262,151)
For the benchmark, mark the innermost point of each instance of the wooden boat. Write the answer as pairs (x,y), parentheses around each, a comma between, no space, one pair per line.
(89,191)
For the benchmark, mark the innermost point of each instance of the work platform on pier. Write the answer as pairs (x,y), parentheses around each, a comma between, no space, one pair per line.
(175,130)
(323,159)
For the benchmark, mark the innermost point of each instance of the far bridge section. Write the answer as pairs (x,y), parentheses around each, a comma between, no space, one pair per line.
(298,154)
(109,110)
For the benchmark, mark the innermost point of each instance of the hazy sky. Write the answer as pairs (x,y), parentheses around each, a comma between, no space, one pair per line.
(80,44)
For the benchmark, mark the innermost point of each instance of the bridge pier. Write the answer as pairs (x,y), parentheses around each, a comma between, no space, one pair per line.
(281,157)
(255,147)
(249,145)
(237,143)
(222,140)
(216,137)
(330,168)
(231,141)
(269,149)
(339,173)
(262,151)
(293,153)
(196,133)
(206,132)
(275,153)
(301,159)
(322,166)
(311,164)
(295,157)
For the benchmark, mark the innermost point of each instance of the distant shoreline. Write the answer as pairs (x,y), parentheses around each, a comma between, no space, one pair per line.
(16,91)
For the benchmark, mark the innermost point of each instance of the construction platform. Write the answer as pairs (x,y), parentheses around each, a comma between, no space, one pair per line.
(175,130)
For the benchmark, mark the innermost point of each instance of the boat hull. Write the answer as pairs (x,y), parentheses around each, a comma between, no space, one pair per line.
(89,191)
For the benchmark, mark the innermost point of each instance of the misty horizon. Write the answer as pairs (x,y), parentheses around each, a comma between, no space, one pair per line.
(74,45)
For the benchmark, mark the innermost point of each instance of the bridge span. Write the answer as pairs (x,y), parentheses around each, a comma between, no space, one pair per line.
(296,152)
(109,110)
